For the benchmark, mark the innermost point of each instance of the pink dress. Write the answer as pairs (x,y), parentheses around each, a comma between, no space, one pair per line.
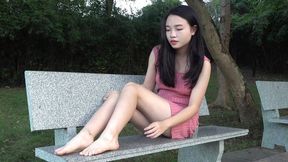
(178,98)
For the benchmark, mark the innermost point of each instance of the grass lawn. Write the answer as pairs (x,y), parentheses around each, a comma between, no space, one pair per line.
(17,143)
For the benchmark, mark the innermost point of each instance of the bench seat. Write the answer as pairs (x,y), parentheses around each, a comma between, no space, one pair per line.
(63,102)
(131,146)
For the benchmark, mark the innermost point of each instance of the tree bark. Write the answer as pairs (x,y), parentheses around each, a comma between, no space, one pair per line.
(109,6)
(223,96)
(241,96)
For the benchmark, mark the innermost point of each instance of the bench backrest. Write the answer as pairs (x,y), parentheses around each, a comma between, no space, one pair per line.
(64,100)
(273,94)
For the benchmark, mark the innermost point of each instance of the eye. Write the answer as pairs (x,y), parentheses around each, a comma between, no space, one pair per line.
(179,29)
(167,29)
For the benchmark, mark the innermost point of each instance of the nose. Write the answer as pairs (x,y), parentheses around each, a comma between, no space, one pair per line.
(172,33)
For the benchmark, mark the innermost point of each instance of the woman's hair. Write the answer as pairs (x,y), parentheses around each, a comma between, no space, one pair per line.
(166,57)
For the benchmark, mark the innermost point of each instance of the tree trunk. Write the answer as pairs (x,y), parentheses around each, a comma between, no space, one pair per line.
(242,97)
(223,96)
(109,6)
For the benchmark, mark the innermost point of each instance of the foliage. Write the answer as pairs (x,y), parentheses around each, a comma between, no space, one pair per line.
(75,36)
(64,35)
(260,33)
(214,8)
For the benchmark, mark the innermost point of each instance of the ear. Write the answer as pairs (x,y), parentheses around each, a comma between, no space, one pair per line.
(193,29)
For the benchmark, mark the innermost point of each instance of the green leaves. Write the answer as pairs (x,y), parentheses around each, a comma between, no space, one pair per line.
(263,18)
(260,28)
(77,35)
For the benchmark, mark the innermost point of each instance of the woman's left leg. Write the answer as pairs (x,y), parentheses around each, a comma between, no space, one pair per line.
(153,107)
(93,128)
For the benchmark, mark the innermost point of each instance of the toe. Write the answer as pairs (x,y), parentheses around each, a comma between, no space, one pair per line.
(58,149)
(59,152)
(83,153)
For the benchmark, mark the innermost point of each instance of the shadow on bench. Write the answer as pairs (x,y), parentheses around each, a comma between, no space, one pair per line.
(63,101)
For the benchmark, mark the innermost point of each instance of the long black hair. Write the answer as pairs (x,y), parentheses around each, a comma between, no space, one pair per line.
(166,57)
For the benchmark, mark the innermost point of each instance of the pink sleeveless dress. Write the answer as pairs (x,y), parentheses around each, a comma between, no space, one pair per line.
(178,98)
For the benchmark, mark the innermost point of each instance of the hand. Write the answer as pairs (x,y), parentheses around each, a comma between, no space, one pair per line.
(155,129)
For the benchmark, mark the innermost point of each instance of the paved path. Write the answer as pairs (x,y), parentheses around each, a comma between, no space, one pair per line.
(256,154)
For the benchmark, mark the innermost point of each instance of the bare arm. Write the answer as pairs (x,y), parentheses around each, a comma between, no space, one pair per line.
(157,128)
(195,100)
(150,76)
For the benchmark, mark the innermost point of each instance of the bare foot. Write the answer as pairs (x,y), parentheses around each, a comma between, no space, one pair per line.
(77,143)
(101,145)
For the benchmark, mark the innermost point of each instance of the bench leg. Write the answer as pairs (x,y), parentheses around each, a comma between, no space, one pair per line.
(62,136)
(267,140)
(208,152)
(275,134)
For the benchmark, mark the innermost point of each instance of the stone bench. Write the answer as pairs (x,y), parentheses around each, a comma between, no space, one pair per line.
(63,101)
(274,96)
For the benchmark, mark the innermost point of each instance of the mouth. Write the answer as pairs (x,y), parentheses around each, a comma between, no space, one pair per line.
(173,42)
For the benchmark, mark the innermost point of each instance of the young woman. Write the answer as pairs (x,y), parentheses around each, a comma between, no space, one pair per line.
(179,71)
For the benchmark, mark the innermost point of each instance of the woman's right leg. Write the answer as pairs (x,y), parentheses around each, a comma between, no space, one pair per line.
(133,97)
(94,126)
(139,120)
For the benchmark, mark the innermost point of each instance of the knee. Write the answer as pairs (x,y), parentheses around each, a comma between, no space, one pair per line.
(131,85)
(114,93)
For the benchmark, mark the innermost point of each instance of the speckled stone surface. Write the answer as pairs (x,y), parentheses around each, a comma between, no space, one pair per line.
(283,157)
(131,146)
(274,96)
(206,152)
(62,100)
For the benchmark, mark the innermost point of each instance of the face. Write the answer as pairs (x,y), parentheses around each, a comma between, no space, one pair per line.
(178,31)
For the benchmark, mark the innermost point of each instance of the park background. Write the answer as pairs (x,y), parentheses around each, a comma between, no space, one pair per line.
(87,36)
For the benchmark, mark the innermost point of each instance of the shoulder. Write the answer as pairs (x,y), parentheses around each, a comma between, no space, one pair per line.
(154,53)
(155,49)
(206,59)
(206,64)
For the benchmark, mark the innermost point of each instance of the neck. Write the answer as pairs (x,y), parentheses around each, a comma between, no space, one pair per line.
(182,52)
(181,64)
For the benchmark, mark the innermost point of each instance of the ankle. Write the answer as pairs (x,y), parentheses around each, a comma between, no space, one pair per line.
(107,136)
(87,133)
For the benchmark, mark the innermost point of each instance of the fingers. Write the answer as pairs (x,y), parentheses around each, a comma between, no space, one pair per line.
(150,126)
(149,131)
(153,130)
(154,135)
